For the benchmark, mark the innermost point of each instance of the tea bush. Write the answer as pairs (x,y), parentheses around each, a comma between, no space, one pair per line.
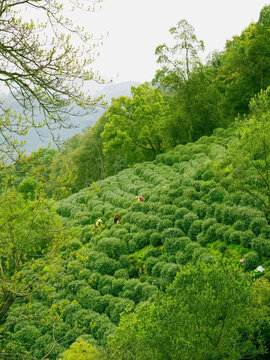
(261,246)
(251,260)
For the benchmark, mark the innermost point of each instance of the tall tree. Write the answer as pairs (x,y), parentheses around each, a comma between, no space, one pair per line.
(134,126)
(178,63)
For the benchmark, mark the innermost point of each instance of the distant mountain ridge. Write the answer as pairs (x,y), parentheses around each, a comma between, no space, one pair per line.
(34,142)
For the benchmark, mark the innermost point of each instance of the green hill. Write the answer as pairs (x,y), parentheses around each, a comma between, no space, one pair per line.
(188,217)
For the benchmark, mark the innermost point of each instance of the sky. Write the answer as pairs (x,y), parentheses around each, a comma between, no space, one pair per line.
(136,27)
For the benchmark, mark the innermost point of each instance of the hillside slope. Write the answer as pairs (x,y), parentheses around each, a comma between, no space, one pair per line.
(187,217)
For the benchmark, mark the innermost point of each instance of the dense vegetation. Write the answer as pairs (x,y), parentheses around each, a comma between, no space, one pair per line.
(186,272)
(189,100)
(188,222)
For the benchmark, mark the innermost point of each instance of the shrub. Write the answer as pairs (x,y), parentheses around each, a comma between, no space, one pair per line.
(202,239)
(169,272)
(120,233)
(227,234)
(220,230)
(240,225)
(251,260)
(191,193)
(94,279)
(235,237)
(179,224)
(91,299)
(267,275)
(246,238)
(180,213)
(132,290)
(207,259)
(217,194)
(207,175)
(181,258)
(188,219)
(113,247)
(71,245)
(206,186)
(84,274)
(200,208)
(218,212)
(140,207)
(195,229)
(117,286)
(156,270)
(149,222)
(247,214)
(121,274)
(124,260)
(171,233)
(229,215)
(150,263)
(141,239)
(164,224)
(87,234)
(117,306)
(183,203)
(257,225)
(211,211)
(207,223)
(265,232)
(153,252)
(261,246)
(105,265)
(172,245)
(197,253)
(211,233)
(133,246)
(105,284)
(167,209)
(155,239)
(191,247)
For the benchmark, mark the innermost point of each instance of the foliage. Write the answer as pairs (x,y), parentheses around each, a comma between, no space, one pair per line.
(82,350)
(44,74)
(208,312)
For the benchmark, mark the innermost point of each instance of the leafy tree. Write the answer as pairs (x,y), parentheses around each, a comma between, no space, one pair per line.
(178,65)
(45,74)
(180,59)
(247,164)
(134,128)
(244,70)
(82,350)
(28,230)
(88,159)
(209,312)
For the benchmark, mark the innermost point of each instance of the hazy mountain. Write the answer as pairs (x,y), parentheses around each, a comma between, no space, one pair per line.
(34,141)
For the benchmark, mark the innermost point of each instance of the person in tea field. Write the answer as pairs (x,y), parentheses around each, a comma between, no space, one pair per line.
(116,218)
(140,198)
(98,223)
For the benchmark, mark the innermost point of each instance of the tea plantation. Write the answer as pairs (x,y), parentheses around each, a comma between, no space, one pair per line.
(188,217)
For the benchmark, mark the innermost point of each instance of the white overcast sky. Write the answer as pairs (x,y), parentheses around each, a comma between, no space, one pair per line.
(136,27)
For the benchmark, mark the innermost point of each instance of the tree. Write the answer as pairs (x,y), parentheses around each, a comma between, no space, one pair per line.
(180,59)
(179,63)
(44,73)
(247,165)
(244,69)
(209,312)
(29,229)
(134,126)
